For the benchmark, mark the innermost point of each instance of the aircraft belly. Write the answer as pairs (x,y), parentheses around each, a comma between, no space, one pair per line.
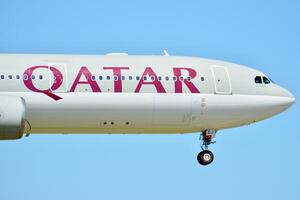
(145,112)
(111,113)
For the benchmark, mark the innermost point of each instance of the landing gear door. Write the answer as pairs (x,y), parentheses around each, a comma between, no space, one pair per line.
(58,73)
(221,79)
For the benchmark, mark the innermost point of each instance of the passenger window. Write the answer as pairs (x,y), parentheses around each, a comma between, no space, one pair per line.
(202,78)
(123,78)
(258,80)
(33,77)
(145,78)
(266,80)
(115,78)
(25,77)
(181,78)
(152,78)
(108,77)
(137,78)
(167,78)
(17,76)
(174,78)
(41,77)
(159,78)
(2,76)
(130,77)
(100,78)
(93,78)
(10,76)
(189,78)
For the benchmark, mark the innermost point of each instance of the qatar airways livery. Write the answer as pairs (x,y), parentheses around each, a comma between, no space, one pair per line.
(118,93)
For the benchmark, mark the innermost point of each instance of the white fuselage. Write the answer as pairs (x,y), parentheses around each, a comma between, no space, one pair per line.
(137,94)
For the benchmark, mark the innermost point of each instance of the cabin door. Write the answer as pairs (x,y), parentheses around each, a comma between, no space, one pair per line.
(221,79)
(58,76)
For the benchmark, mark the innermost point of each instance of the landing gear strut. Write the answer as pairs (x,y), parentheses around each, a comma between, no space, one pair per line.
(206,157)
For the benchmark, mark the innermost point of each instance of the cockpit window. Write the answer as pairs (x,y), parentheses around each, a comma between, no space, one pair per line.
(271,80)
(266,80)
(258,79)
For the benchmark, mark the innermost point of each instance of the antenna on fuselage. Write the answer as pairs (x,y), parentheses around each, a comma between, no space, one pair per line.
(166,53)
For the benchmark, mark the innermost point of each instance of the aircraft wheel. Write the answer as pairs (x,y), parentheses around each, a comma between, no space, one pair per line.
(205,157)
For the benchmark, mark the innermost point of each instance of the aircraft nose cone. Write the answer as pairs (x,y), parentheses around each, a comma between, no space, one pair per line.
(290,101)
(289,98)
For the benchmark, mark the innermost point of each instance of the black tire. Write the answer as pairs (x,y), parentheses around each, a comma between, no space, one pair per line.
(205,157)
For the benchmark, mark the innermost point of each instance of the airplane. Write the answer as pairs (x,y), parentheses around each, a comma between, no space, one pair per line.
(119,93)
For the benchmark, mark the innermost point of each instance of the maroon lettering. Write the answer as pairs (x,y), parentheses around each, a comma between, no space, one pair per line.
(118,80)
(88,76)
(56,84)
(188,83)
(148,71)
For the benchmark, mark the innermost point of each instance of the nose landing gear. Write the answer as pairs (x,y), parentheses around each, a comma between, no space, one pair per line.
(206,157)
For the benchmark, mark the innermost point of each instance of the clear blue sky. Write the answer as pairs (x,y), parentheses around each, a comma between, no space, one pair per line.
(260,161)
